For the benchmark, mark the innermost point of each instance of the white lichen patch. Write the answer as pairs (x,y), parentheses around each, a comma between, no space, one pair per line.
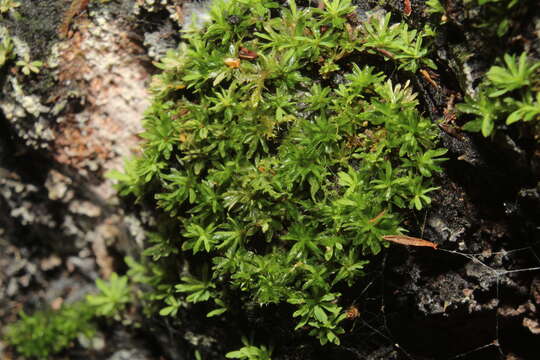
(88,123)
(176,8)
(159,42)
(17,195)
(196,14)
(103,63)
(85,208)
(101,68)
(30,103)
(24,111)
(58,186)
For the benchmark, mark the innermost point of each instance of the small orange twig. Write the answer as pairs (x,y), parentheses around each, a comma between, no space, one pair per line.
(409,240)
(386,53)
(377,218)
(428,77)
(233,63)
(76,7)
(407,9)
(245,53)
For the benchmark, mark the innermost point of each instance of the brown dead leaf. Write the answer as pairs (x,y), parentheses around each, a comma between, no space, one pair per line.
(409,241)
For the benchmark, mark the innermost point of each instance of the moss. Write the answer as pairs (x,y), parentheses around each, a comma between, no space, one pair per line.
(507,93)
(46,333)
(281,158)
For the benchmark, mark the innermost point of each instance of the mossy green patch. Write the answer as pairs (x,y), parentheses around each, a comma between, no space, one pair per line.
(279,158)
(508,95)
(46,333)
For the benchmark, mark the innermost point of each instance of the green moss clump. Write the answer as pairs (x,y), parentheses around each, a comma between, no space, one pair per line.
(46,333)
(508,93)
(279,158)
